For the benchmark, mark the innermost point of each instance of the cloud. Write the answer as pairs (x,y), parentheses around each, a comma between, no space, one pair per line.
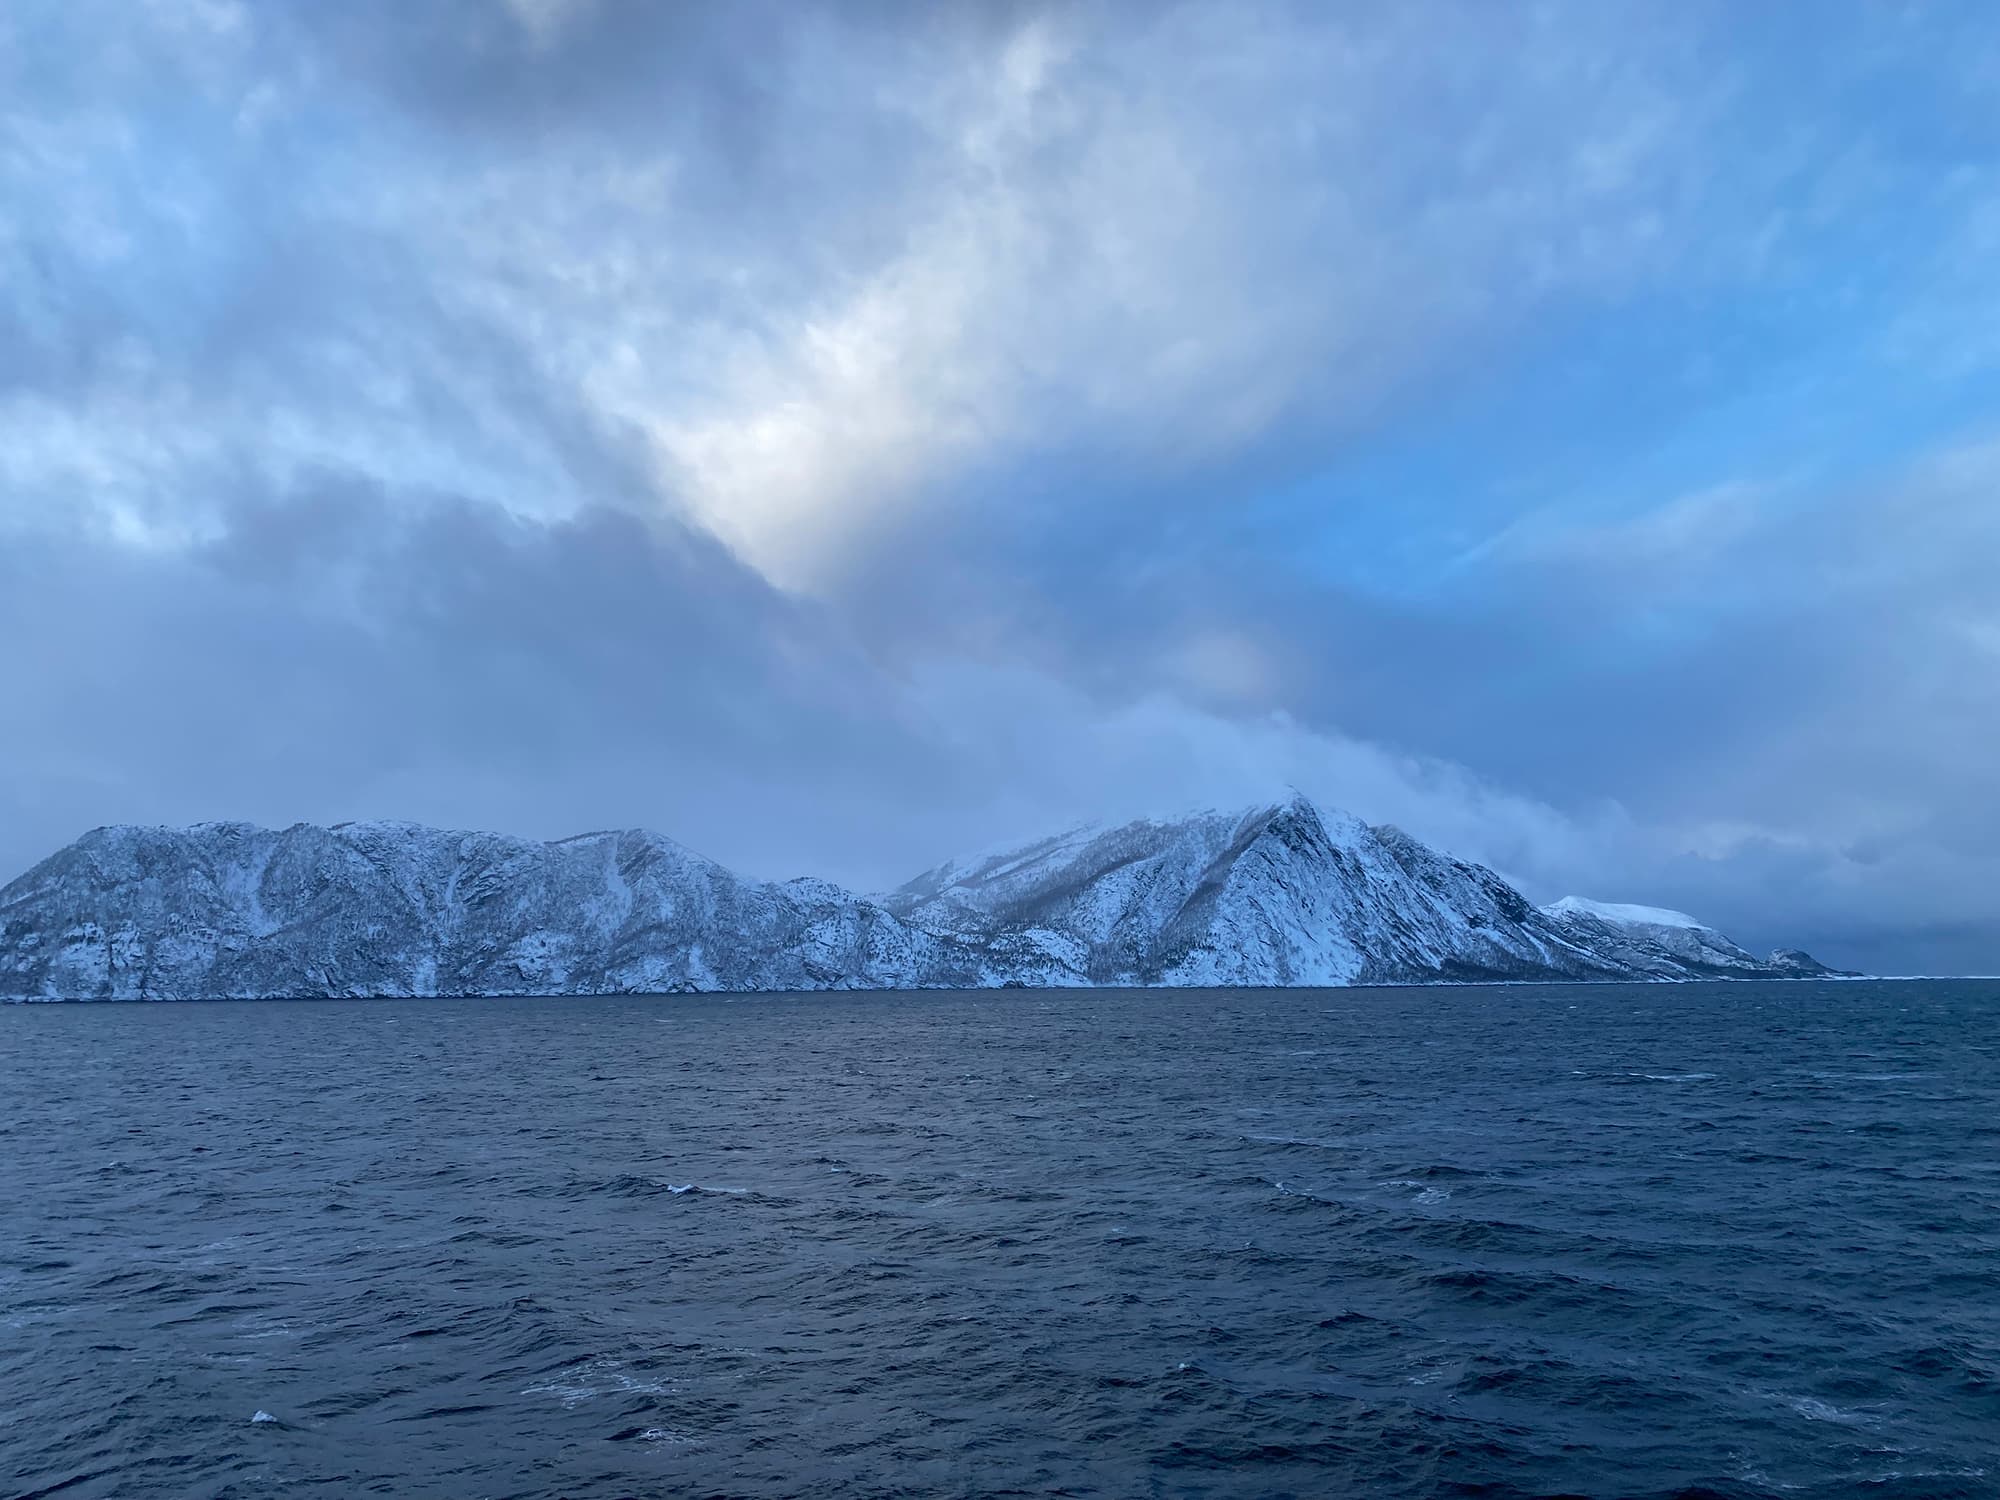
(839,434)
(343,653)
(333,657)
(831,264)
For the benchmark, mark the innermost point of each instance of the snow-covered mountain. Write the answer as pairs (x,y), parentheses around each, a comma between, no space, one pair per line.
(1279,895)
(1643,935)
(227,909)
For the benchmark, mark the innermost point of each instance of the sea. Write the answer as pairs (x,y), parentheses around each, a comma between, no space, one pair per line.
(1728,1240)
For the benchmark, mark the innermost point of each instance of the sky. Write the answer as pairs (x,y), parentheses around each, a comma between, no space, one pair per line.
(846,436)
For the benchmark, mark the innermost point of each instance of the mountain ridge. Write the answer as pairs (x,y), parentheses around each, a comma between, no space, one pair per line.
(1279,894)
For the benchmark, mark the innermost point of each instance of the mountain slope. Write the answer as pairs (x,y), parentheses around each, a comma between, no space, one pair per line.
(1672,943)
(394,909)
(1279,895)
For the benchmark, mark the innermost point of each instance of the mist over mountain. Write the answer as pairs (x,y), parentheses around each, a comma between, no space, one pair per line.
(1282,894)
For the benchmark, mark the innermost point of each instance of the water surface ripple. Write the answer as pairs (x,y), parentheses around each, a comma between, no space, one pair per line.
(1726,1240)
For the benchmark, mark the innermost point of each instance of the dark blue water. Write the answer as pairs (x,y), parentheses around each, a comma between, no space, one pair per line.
(1735,1240)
